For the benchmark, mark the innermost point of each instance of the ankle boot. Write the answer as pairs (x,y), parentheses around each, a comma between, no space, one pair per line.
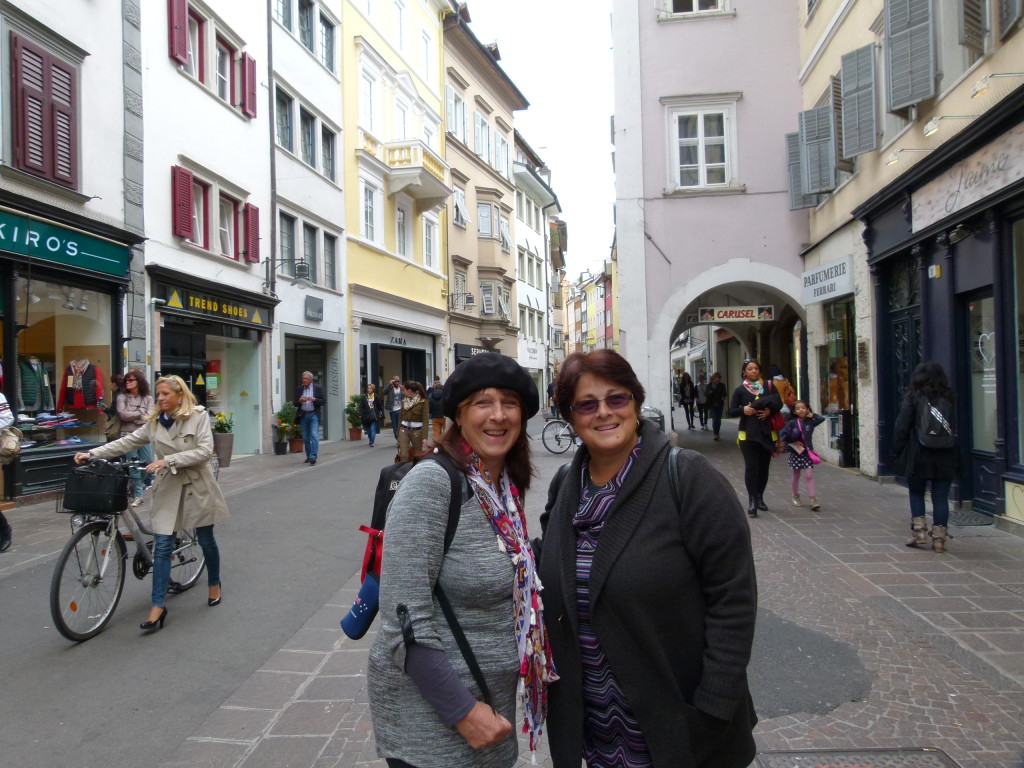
(939,538)
(751,507)
(796,500)
(815,506)
(5,533)
(760,503)
(920,528)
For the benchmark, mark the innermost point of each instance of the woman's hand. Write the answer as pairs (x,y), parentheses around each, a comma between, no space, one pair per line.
(81,458)
(749,410)
(483,727)
(157,465)
(765,414)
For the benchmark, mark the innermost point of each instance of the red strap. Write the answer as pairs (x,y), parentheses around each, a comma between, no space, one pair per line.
(374,553)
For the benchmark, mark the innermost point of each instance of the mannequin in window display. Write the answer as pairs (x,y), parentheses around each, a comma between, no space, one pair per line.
(81,387)
(34,391)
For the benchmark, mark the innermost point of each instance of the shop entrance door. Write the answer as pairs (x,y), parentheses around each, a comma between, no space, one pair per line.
(183,353)
(978,407)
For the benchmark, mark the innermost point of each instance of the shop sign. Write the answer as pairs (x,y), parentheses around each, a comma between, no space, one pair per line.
(211,307)
(314,308)
(468,350)
(735,314)
(39,240)
(829,281)
(987,171)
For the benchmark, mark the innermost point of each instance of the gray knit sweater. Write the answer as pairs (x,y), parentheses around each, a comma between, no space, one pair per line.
(477,577)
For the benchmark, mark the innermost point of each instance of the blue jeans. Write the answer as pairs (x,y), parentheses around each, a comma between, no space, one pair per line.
(716,417)
(163,547)
(311,434)
(394,422)
(144,454)
(371,431)
(940,498)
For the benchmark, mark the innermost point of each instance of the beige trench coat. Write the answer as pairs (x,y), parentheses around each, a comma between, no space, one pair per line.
(186,494)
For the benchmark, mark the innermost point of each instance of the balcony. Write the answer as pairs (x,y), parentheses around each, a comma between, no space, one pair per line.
(411,167)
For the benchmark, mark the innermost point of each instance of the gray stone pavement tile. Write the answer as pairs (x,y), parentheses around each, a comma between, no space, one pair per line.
(988,619)
(236,724)
(207,754)
(310,718)
(1006,641)
(997,603)
(295,661)
(311,638)
(285,752)
(267,690)
(334,687)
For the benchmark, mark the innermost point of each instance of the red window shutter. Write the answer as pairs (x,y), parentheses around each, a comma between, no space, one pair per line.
(65,124)
(252,233)
(181,202)
(248,85)
(177,30)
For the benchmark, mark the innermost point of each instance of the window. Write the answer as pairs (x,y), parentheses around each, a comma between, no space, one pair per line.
(461,213)
(459,298)
(695,6)
(401,232)
(225,72)
(286,260)
(284,120)
(961,29)
(520,205)
(456,114)
(330,262)
(307,137)
(504,235)
(701,144)
(487,303)
(429,242)
(501,154)
(307,12)
(522,320)
(367,100)
(45,119)
(504,299)
(401,121)
(200,219)
(310,235)
(909,52)
(326,42)
(428,56)
(228,227)
(481,137)
(327,148)
(522,264)
(400,24)
(195,48)
(283,13)
(369,212)
(483,223)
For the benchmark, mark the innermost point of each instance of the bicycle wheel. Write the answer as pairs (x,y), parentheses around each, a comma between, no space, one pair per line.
(557,436)
(187,560)
(87,581)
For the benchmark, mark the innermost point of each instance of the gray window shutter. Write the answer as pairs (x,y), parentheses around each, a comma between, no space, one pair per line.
(972,25)
(859,130)
(797,199)
(910,54)
(818,150)
(836,88)
(1010,12)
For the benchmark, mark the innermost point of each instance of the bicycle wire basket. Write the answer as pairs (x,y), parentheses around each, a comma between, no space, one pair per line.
(100,489)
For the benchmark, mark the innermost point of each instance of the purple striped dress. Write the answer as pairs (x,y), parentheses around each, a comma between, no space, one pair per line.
(612,737)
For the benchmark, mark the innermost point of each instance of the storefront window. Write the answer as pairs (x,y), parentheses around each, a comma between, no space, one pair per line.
(981,321)
(62,363)
(834,358)
(1018,266)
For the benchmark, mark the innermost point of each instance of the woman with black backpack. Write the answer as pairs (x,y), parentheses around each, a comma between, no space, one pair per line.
(924,450)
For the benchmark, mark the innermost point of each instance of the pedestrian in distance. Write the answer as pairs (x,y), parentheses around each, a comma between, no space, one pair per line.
(702,401)
(687,397)
(6,420)
(650,590)
(369,413)
(309,399)
(134,404)
(185,494)
(925,450)
(112,427)
(393,403)
(551,399)
(754,401)
(427,709)
(435,397)
(413,420)
(798,437)
(716,402)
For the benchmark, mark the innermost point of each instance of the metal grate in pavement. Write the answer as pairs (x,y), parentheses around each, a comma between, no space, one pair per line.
(968,517)
(861,758)
(1017,589)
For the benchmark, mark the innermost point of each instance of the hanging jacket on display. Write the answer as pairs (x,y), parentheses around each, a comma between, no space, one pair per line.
(82,386)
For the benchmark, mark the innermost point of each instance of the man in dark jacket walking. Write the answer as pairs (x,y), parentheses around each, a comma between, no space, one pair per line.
(436,401)
(309,399)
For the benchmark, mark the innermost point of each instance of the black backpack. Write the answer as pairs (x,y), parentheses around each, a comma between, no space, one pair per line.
(935,423)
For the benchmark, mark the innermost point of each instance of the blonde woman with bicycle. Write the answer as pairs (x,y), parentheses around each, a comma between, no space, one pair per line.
(185,495)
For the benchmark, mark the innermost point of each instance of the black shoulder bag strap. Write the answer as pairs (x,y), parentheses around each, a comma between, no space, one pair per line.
(454,512)
(673,474)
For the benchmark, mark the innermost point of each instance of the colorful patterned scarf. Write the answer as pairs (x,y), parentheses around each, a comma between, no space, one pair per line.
(755,388)
(504,510)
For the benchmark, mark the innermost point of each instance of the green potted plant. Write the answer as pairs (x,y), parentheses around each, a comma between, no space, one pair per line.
(286,428)
(355,421)
(223,438)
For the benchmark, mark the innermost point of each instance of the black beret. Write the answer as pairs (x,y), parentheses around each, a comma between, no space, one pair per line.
(489,369)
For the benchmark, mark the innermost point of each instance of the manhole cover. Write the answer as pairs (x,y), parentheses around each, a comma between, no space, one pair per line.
(969,517)
(865,758)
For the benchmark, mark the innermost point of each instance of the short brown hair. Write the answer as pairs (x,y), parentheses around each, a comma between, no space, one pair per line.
(602,363)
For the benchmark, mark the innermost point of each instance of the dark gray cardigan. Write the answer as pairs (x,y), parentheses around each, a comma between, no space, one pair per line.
(673,600)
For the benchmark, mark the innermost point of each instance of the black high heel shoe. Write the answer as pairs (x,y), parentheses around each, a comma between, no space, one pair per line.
(157,623)
(212,601)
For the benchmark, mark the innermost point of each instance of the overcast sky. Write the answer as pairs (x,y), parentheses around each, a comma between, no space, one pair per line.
(558,53)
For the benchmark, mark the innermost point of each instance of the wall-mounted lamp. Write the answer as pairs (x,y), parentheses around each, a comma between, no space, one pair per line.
(982,86)
(83,303)
(68,293)
(301,276)
(960,232)
(461,301)
(932,126)
(894,157)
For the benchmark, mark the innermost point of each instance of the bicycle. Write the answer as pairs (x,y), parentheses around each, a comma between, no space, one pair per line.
(558,436)
(89,575)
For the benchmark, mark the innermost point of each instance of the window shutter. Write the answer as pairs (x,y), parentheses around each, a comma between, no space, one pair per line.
(972,25)
(181,202)
(450,100)
(797,199)
(1010,12)
(248,85)
(836,88)
(177,30)
(818,150)
(859,130)
(252,233)
(909,49)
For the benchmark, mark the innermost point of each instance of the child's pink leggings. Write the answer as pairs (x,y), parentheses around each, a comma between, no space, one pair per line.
(809,476)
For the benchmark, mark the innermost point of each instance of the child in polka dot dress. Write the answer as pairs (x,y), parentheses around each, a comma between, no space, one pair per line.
(797,436)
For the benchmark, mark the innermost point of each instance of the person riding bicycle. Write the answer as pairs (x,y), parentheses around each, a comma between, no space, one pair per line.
(186,494)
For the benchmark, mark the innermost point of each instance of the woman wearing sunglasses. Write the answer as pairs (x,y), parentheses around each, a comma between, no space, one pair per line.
(650,600)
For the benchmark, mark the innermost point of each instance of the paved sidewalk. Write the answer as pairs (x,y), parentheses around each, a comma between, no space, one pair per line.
(941,636)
